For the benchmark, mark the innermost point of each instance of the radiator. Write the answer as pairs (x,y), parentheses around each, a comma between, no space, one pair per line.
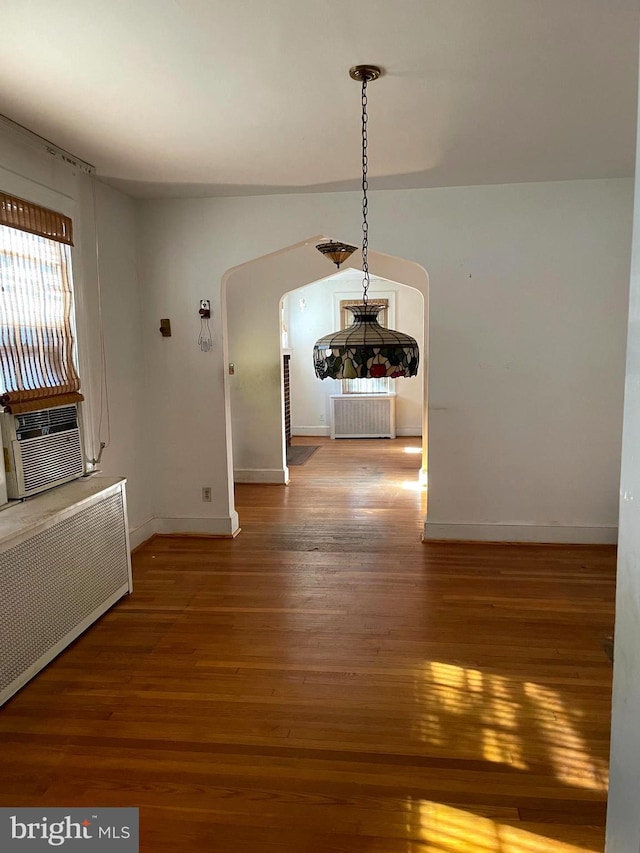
(64,560)
(363,416)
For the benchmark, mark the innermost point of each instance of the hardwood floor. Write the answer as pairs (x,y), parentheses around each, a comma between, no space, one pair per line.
(326,683)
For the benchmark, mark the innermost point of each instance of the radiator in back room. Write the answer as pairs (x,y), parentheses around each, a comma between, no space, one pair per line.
(363,416)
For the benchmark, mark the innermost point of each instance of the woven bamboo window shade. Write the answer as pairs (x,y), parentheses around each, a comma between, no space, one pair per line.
(37,369)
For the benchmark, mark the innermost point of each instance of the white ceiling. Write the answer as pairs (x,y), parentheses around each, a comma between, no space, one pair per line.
(234,97)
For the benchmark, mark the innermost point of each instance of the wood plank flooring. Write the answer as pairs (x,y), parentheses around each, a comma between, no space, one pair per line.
(326,683)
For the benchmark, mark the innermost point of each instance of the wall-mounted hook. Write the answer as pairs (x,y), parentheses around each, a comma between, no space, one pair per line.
(205,341)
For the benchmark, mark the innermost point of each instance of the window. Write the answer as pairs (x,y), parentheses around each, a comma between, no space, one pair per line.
(37,367)
(381,385)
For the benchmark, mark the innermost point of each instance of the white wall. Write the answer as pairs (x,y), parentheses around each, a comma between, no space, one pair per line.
(253,296)
(623,817)
(29,173)
(310,404)
(128,453)
(528,292)
(310,396)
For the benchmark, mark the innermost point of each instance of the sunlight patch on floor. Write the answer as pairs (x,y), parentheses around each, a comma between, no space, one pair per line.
(414,486)
(567,748)
(500,719)
(449,693)
(444,829)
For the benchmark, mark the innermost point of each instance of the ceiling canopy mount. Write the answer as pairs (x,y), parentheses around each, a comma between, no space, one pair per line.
(365,72)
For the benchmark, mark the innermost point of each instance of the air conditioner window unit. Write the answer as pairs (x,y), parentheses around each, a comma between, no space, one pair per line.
(42,449)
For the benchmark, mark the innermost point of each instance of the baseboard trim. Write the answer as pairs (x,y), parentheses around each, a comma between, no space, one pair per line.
(278,476)
(142,545)
(196,535)
(401,432)
(311,430)
(224,526)
(140,535)
(183,536)
(544,534)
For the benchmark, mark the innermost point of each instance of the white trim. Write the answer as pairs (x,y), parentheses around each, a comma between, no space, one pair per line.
(279,476)
(144,531)
(356,296)
(311,430)
(45,145)
(409,432)
(543,533)
(18,184)
(219,526)
(84,269)
(126,534)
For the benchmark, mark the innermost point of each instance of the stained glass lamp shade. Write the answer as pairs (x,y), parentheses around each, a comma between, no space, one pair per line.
(365,350)
(338,252)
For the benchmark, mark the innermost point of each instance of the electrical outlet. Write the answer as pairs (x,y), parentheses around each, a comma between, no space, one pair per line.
(321,418)
(206,494)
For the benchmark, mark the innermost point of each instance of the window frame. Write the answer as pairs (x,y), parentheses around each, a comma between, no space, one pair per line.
(349,386)
(71,201)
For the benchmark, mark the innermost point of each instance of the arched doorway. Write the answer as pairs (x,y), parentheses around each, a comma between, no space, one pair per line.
(315,309)
(254,404)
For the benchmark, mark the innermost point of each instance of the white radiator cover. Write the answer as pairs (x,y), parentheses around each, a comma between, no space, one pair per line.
(363,416)
(64,560)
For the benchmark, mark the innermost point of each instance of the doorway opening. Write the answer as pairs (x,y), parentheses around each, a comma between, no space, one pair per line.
(252,295)
(347,408)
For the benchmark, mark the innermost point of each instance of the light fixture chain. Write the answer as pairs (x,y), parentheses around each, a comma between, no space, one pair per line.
(364,350)
(365,201)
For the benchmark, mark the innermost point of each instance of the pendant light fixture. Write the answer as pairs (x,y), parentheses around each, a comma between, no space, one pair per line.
(365,350)
(338,252)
